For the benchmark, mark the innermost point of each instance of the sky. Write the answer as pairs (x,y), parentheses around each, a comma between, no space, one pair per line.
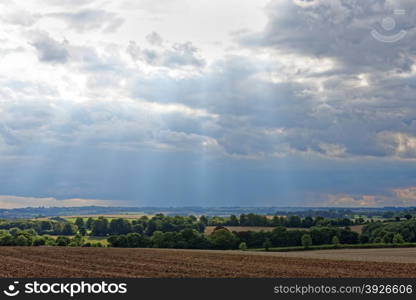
(208,103)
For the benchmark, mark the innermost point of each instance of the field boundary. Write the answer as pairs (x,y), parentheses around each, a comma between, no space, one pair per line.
(334,247)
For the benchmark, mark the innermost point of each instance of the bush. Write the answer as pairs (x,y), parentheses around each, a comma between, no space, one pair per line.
(39,241)
(62,241)
(223,239)
(21,240)
(242,246)
(50,242)
(306,240)
(267,244)
(6,240)
(398,239)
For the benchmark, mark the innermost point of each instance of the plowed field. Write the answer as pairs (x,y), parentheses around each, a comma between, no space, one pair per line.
(58,262)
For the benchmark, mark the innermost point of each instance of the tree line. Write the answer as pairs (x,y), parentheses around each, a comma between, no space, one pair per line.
(292,221)
(102,226)
(163,231)
(392,232)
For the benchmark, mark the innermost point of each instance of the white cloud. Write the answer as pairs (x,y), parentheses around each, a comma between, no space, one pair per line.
(22,202)
(228,81)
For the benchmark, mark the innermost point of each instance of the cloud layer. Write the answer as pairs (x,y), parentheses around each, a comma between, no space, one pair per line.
(295,103)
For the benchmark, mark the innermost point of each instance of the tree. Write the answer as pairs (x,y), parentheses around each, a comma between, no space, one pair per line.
(335,240)
(223,239)
(50,242)
(203,220)
(307,222)
(21,240)
(243,220)
(120,226)
(137,228)
(158,239)
(242,246)
(100,227)
(83,231)
(45,225)
(194,239)
(398,239)
(294,221)
(89,223)
(117,241)
(14,231)
(151,227)
(62,241)
(267,244)
(233,221)
(77,241)
(388,237)
(135,240)
(306,240)
(7,240)
(39,241)
(68,229)
(349,237)
(80,222)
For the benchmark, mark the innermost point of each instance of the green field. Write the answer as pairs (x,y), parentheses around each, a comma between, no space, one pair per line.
(90,239)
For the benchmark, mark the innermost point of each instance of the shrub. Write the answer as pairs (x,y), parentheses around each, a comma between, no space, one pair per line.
(39,241)
(267,244)
(21,240)
(223,239)
(398,239)
(242,246)
(306,240)
(62,241)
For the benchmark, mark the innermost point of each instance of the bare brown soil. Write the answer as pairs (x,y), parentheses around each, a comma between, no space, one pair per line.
(55,262)
(391,255)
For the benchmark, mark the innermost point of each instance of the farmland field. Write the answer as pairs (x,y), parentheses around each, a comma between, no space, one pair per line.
(396,255)
(132,216)
(115,262)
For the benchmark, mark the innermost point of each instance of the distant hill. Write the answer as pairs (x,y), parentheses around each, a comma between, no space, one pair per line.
(34,212)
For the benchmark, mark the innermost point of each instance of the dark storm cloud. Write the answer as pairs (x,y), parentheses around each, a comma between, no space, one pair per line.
(341,30)
(353,121)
